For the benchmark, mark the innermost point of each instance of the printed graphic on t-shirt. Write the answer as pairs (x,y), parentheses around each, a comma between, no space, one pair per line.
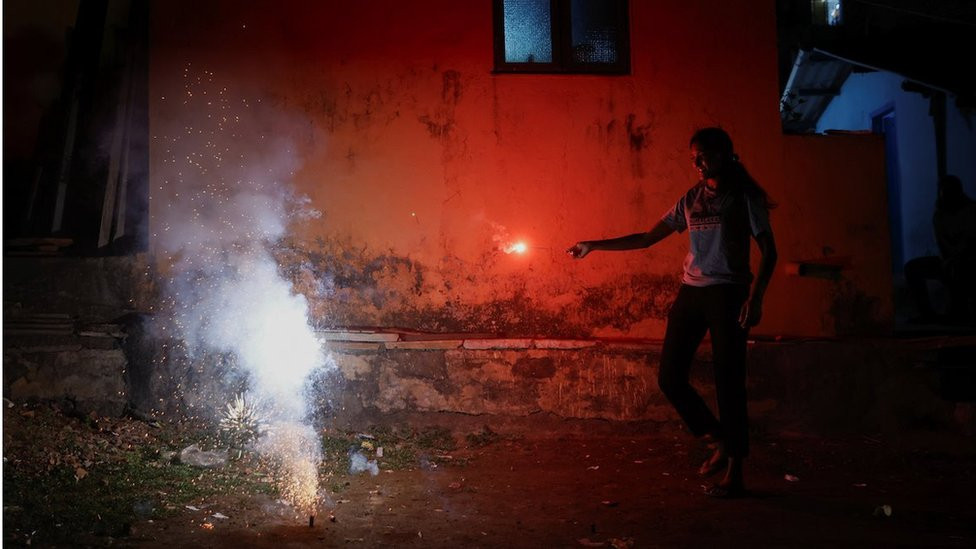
(719,226)
(704,214)
(704,222)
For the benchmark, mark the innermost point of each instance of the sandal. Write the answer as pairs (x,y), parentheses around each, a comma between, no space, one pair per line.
(717,462)
(713,466)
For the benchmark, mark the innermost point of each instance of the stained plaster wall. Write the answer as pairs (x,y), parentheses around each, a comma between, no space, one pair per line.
(66,322)
(423,162)
(801,386)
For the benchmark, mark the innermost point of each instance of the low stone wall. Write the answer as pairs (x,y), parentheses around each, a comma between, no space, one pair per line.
(817,386)
(84,374)
(572,379)
(72,334)
(64,328)
(822,386)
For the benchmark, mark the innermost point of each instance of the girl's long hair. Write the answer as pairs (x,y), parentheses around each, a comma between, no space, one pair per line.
(717,140)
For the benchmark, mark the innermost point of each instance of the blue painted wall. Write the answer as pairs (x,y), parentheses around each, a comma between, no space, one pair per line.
(866,94)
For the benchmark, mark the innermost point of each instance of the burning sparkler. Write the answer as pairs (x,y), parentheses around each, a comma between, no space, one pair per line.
(500,238)
(520,247)
(516,248)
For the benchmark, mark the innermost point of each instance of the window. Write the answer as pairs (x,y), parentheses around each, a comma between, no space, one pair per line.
(565,36)
(826,12)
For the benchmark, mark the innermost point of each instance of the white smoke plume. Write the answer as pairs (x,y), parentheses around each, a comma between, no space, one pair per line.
(228,198)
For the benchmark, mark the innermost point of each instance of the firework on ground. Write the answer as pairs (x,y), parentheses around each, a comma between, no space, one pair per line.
(226,200)
(241,422)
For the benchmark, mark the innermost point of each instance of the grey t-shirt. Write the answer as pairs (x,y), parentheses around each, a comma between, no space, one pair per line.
(721,224)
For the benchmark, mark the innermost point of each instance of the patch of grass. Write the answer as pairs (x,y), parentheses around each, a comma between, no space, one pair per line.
(335,454)
(436,438)
(399,457)
(181,436)
(483,438)
(56,506)
(398,454)
(67,479)
(403,448)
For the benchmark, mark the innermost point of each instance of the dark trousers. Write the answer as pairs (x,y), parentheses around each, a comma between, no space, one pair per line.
(713,309)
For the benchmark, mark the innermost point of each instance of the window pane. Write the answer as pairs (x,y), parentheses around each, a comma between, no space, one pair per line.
(595,33)
(528,31)
(827,12)
(833,12)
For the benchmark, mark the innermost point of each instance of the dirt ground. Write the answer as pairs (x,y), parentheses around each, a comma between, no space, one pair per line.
(599,487)
(613,491)
(580,491)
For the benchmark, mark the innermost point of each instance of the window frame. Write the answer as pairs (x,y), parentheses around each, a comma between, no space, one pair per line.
(561,25)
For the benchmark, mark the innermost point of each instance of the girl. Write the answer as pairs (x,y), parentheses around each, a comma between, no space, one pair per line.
(718,295)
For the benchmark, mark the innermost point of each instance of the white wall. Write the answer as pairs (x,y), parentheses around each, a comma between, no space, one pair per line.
(865,94)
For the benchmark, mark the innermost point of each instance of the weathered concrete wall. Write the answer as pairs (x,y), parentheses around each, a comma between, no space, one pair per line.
(423,162)
(89,289)
(617,385)
(82,377)
(833,211)
(65,322)
(817,386)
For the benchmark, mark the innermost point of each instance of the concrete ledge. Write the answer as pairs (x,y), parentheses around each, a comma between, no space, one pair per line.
(431,345)
(483,344)
(353,346)
(567,344)
(351,340)
(357,335)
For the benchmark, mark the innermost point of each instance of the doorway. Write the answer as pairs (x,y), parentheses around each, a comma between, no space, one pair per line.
(883,122)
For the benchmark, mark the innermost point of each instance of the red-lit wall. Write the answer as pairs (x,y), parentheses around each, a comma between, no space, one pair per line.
(422,161)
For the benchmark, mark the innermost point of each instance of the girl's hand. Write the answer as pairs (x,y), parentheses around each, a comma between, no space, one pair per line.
(580,250)
(751,313)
